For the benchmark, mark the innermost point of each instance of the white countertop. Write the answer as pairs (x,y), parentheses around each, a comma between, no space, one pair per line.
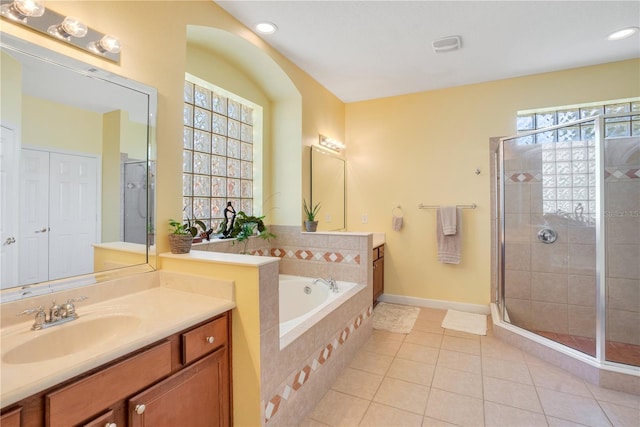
(162,311)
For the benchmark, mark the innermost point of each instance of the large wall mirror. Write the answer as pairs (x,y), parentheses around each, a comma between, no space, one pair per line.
(76,172)
(328,186)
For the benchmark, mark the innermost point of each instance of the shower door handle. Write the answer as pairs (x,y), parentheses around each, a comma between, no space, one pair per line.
(547,235)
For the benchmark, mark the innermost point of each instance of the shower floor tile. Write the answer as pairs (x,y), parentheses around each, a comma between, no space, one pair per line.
(616,351)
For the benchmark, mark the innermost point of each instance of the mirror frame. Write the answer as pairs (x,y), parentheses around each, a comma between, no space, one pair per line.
(19,292)
(315,153)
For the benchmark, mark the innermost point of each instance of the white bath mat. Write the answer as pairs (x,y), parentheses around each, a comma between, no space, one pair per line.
(394,318)
(465,322)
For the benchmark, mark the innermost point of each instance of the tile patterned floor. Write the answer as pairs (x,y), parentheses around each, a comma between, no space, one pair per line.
(438,377)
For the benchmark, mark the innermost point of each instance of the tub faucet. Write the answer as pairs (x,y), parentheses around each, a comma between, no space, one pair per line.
(330,282)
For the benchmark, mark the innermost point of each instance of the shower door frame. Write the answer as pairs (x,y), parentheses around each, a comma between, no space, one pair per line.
(599,360)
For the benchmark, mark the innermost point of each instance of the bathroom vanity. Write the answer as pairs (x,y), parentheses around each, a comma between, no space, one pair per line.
(182,379)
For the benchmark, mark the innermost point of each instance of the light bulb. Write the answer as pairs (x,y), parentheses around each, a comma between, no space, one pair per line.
(19,10)
(108,43)
(69,27)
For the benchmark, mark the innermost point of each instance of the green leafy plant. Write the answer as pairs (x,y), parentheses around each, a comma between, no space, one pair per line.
(246,226)
(192,226)
(178,228)
(310,212)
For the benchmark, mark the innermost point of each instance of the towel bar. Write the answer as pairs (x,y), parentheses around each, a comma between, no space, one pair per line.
(471,206)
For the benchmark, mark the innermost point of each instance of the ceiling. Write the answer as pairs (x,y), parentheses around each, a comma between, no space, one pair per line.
(362,50)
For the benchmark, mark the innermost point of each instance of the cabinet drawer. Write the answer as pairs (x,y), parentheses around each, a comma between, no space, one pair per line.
(204,339)
(89,396)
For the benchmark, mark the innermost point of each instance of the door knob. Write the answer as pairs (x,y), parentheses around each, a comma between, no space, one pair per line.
(547,235)
(9,241)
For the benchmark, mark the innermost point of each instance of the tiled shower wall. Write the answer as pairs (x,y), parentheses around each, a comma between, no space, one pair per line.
(551,287)
(622,213)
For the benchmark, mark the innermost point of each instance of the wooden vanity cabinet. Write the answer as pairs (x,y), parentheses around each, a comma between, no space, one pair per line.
(378,273)
(183,380)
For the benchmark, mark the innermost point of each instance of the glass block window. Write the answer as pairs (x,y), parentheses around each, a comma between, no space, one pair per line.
(568,153)
(217,162)
(619,127)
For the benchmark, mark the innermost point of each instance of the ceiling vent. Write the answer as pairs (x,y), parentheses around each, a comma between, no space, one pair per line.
(447,44)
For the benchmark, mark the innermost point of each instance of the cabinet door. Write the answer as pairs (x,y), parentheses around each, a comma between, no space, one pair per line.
(197,396)
(378,278)
(12,418)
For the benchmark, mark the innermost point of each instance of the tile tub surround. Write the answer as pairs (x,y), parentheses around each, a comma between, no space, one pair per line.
(295,377)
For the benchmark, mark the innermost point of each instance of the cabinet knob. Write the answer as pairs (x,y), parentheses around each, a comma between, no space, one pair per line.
(140,409)
(210,340)
(110,425)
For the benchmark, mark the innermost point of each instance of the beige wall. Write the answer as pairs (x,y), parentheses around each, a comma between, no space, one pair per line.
(58,126)
(425,148)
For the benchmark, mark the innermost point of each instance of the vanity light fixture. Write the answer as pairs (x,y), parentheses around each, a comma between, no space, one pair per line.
(70,27)
(331,144)
(622,34)
(70,30)
(266,27)
(20,10)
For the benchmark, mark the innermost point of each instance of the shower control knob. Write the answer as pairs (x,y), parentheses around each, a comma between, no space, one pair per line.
(547,235)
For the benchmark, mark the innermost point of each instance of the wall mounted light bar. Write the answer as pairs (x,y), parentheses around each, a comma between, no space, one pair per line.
(331,144)
(68,29)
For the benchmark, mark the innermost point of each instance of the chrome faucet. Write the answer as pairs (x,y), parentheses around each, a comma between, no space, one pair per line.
(330,282)
(58,314)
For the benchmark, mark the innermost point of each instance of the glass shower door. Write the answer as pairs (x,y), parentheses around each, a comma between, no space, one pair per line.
(549,233)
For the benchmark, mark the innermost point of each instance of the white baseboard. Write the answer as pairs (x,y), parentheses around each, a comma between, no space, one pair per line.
(435,303)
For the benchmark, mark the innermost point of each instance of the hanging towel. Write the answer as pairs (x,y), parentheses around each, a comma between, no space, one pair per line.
(397,220)
(448,219)
(449,245)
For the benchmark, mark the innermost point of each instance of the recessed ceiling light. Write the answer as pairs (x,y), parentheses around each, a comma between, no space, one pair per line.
(622,34)
(266,27)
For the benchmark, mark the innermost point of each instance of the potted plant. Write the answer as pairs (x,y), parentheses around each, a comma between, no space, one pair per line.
(180,237)
(246,226)
(310,224)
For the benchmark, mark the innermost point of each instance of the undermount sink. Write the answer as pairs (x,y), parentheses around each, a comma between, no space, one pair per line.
(69,338)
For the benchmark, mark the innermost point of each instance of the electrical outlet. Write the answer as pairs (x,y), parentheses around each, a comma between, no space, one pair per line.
(365,218)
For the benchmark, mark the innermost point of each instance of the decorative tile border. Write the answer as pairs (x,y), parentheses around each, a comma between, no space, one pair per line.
(610,174)
(301,377)
(310,255)
(617,174)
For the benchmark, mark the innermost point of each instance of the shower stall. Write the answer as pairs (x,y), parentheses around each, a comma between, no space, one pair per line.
(567,231)
(137,202)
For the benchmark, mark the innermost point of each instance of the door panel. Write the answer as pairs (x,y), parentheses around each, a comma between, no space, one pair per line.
(73,215)
(9,239)
(33,263)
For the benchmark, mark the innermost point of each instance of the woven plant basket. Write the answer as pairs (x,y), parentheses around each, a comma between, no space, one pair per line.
(180,243)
